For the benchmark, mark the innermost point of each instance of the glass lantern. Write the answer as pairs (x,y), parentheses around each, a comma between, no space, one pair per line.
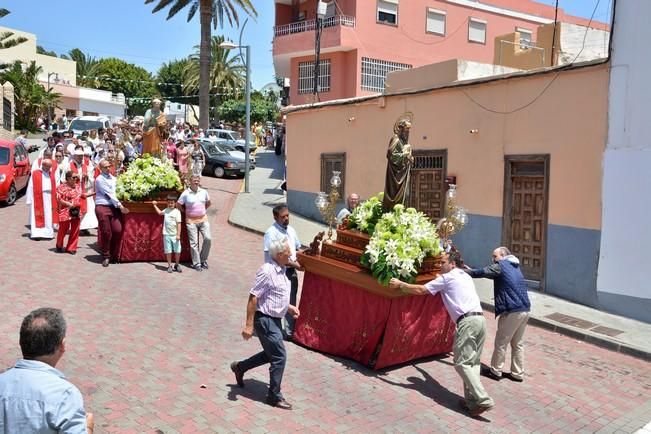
(321,200)
(452,191)
(335,181)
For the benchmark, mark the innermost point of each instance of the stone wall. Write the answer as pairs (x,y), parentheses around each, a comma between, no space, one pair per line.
(7,91)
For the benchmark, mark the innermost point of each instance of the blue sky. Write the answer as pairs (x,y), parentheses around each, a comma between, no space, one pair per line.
(127,29)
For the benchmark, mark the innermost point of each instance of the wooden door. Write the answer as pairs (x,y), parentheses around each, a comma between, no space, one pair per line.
(526,190)
(427,183)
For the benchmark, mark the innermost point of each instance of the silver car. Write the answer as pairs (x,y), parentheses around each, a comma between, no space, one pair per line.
(228,138)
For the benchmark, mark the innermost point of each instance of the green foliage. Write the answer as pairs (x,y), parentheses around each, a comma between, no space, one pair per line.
(41,50)
(262,110)
(129,79)
(7,39)
(173,72)
(30,96)
(145,177)
(366,215)
(87,68)
(217,9)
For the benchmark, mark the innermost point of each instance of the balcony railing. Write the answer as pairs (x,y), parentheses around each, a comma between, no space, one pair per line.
(306,26)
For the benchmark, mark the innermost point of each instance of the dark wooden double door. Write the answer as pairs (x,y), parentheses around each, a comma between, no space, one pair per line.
(427,183)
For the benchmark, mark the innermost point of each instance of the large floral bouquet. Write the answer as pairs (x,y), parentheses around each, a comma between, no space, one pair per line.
(401,240)
(145,177)
(366,215)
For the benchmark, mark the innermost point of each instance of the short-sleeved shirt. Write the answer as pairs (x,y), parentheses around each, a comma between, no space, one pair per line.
(272,289)
(37,398)
(171,218)
(195,204)
(276,232)
(458,292)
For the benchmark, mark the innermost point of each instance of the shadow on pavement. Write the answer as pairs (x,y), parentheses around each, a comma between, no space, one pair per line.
(255,391)
(269,160)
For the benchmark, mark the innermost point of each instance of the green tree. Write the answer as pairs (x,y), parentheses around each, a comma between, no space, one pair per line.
(30,96)
(41,50)
(227,74)
(173,72)
(87,67)
(8,39)
(136,83)
(210,12)
(262,109)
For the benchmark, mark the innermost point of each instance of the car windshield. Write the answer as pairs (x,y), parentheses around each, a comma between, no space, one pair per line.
(213,149)
(85,125)
(4,155)
(235,135)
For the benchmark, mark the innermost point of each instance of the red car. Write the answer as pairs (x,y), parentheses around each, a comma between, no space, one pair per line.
(15,170)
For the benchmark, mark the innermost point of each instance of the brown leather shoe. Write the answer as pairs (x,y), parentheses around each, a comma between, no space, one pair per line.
(279,404)
(239,375)
(463,404)
(479,410)
(512,378)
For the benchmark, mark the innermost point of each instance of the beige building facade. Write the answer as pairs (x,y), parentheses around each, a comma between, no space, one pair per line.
(525,151)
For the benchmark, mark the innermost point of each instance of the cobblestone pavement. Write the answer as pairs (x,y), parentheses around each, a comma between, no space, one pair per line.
(150,352)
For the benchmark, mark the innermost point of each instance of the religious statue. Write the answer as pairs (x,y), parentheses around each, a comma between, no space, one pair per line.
(399,162)
(154,130)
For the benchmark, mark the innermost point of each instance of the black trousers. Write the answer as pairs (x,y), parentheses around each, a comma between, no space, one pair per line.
(293,279)
(268,329)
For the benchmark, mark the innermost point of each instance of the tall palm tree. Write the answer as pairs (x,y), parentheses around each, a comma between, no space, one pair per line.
(227,74)
(210,12)
(87,67)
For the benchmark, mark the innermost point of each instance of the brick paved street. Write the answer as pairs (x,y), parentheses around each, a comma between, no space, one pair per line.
(142,344)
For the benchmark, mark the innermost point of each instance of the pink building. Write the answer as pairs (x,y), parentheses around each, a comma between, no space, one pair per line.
(363,40)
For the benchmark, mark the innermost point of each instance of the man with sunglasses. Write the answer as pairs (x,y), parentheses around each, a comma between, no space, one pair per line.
(108,210)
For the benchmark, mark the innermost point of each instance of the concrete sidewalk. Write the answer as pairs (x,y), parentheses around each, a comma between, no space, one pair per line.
(252,211)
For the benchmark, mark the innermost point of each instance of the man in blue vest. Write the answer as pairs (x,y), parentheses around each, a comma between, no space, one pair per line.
(512,308)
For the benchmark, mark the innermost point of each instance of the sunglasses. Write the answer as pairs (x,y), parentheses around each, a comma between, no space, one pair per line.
(75,177)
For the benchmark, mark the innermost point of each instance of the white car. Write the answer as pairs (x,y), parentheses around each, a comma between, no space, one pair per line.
(228,138)
(87,123)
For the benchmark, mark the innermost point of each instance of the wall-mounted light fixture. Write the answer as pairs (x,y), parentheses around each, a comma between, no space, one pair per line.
(474,131)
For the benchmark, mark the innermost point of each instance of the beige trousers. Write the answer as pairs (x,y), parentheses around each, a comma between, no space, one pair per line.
(510,330)
(468,345)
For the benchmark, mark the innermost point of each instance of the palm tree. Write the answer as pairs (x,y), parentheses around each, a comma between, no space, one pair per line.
(227,74)
(87,67)
(30,96)
(210,12)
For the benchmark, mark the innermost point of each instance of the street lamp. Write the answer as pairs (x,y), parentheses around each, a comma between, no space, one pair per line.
(49,109)
(229,45)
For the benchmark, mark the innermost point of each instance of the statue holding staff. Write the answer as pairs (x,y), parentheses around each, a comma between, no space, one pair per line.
(399,162)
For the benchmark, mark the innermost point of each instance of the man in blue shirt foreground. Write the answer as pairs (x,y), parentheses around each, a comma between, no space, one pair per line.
(34,396)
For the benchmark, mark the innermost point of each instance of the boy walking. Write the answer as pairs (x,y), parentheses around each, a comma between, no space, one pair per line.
(171,233)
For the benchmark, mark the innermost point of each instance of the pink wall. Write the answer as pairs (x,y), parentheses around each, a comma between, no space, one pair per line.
(342,66)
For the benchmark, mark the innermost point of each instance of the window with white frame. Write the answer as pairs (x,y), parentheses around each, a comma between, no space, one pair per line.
(306,76)
(374,73)
(387,11)
(526,37)
(477,30)
(436,22)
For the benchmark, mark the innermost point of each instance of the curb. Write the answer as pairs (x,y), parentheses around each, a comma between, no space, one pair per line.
(575,334)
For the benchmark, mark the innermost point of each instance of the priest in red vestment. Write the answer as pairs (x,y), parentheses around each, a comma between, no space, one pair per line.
(41,197)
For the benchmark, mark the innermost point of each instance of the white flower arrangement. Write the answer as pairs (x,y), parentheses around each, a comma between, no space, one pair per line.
(145,177)
(399,243)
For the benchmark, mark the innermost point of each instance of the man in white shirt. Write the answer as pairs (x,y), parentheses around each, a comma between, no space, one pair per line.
(280,230)
(462,303)
(195,201)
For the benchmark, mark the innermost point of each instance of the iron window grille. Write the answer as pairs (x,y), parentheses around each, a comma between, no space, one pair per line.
(374,73)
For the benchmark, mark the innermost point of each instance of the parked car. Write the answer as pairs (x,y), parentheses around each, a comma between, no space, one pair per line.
(15,170)
(221,161)
(87,123)
(229,138)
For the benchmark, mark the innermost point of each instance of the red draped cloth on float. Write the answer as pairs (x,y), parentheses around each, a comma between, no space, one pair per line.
(344,320)
(142,238)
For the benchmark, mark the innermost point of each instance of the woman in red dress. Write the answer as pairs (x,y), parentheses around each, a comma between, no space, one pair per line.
(69,196)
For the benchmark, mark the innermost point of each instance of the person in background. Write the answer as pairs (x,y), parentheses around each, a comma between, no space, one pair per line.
(171,233)
(351,203)
(198,159)
(70,215)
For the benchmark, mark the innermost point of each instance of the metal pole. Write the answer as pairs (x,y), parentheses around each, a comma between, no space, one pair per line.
(49,111)
(248,118)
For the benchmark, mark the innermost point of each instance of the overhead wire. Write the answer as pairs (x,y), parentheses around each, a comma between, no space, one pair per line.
(542,92)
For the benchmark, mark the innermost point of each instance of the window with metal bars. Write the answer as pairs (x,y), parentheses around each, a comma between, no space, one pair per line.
(306,76)
(374,73)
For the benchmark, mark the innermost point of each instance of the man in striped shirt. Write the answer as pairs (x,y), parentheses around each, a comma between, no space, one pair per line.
(268,303)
